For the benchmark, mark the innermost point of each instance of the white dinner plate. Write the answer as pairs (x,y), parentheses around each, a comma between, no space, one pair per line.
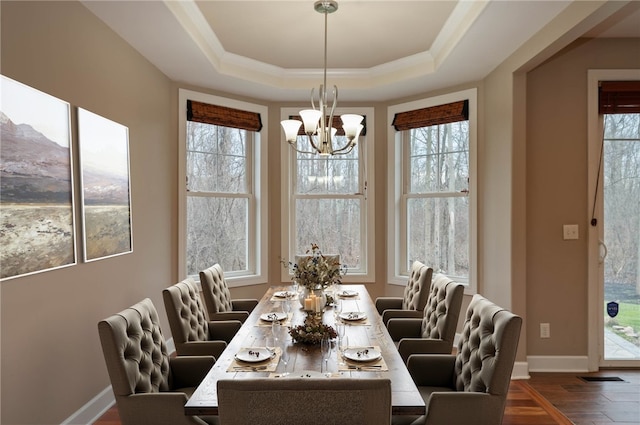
(353,315)
(348,293)
(274,316)
(284,294)
(254,355)
(362,354)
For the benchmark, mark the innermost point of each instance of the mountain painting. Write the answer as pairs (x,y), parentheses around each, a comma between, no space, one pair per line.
(36,183)
(106,200)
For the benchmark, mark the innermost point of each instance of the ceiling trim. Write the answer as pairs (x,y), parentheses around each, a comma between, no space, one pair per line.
(421,64)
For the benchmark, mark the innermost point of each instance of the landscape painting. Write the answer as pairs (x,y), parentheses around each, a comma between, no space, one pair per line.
(36,182)
(106,199)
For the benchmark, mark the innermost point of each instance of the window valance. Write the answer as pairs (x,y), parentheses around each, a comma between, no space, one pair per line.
(433,115)
(223,116)
(619,97)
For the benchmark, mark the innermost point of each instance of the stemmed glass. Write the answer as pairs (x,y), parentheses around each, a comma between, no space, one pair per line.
(285,359)
(337,309)
(276,330)
(286,308)
(270,344)
(343,344)
(325,347)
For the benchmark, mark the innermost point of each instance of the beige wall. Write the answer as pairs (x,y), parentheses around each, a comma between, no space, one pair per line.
(51,357)
(556,191)
(48,321)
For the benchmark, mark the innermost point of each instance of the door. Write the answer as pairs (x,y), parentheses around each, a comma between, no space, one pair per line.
(620,240)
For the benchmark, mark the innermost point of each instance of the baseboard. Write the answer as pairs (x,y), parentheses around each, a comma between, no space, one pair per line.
(91,412)
(558,363)
(520,370)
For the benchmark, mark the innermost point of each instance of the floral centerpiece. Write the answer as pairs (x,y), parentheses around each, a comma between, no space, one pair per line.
(315,270)
(312,331)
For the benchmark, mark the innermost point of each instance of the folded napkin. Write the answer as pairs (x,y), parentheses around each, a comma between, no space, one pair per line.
(345,364)
(269,365)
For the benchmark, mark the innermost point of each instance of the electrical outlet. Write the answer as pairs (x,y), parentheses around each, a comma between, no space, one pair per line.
(570,231)
(545,330)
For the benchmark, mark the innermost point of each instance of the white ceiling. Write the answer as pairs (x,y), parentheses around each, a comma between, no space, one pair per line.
(377,50)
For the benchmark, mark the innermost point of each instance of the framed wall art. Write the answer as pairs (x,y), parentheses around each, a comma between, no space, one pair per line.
(106,189)
(36,182)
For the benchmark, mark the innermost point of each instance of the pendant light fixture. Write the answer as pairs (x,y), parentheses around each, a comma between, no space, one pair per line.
(318,121)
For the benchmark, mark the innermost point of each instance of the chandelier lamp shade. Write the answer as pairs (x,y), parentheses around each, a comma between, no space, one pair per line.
(318,121)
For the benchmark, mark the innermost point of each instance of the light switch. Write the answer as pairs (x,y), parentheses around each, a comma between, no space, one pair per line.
(570,231)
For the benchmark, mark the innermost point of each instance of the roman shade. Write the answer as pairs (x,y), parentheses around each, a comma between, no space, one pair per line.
(433,115)
(619,97)
(223,116)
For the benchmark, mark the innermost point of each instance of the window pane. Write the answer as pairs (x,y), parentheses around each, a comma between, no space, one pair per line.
(216,158)
(320,175)
(333,224)
(438,234)
(217,233)
(439,158)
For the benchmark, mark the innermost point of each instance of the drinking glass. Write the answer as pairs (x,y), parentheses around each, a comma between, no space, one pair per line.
(270,344)
(343,344)
(276,330)
(337,309)
(286,307)
(325,347)
(285,360)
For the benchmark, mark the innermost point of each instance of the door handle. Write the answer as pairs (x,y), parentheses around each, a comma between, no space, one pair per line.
(602,251)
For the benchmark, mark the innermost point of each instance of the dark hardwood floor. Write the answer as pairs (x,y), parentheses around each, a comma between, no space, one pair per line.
(555,399)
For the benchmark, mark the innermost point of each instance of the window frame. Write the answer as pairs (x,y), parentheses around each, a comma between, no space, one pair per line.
(288,157)
(398,157)
(257,186)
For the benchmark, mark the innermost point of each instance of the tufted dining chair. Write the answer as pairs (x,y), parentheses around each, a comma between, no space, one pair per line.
(192,333)
(435,331)
(469,387)
(308,401)
(412,303)
(218,300)
(149,386)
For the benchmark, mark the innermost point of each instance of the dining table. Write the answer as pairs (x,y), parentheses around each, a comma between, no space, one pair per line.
(352,310)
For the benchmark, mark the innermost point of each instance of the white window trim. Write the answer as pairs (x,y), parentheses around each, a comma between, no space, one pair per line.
(396,255)
(258,242)
(287,163)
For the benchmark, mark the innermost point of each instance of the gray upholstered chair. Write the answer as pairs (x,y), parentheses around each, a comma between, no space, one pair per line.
(469,387)
(412,303)
(218,300)
(193,334)
(435,331)
(304,401)
(149,386)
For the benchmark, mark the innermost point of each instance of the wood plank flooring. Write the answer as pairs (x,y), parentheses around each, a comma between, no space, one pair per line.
(554,399)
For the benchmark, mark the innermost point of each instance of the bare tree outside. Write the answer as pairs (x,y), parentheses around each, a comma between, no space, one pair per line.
(437,201)
(328,203)
(621,189)
(218,197)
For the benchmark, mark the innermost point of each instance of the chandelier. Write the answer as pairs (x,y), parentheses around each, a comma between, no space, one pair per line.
(318,121)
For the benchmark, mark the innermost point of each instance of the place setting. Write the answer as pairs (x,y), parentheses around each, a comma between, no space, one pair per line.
(348,294)
(362,358)
(257,359)
(353,318)
(267,319)
(284,295)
